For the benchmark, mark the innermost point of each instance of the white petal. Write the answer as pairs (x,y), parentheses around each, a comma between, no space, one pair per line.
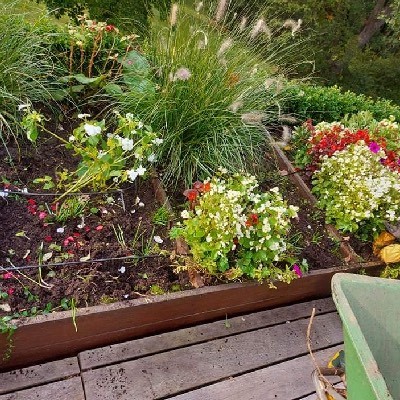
(157,239)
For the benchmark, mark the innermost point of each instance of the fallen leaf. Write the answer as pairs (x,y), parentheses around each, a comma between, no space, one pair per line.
(86,258)
(195,278)
(47,256)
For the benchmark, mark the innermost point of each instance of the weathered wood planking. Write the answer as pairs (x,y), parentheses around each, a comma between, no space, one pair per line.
(184,369)
(53,336)
(167,341)
(38,375)
(285,381)
(70,389)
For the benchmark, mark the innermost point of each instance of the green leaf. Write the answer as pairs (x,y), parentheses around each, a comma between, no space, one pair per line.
(77,88)
(139,85)
(133,61)
(85,80)
(113,89)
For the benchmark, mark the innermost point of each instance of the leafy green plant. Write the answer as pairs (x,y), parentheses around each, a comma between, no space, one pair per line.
(235,230)
(356,191)
(70,208)
(161,216)
(117,157)
(94,54)
(212,94)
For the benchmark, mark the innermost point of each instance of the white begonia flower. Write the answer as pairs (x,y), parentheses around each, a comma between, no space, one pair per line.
(71,138)
(152,158)
(83,116)
(141,170)
(157,141)
(185,214)
(92,130)
(126,144)
(132,174)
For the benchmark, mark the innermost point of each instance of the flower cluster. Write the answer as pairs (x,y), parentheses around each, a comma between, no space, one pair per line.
(120,156)
(325,139)
(357,189)
(233,228)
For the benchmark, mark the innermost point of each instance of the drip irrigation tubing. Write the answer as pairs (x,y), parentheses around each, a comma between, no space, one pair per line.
(69,263)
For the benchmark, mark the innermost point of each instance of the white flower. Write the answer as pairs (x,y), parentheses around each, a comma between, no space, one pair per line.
(141,204)
(141,170)
(157,141)
(157,239)
(132,174)
(140,125)
(137,200)
(126,144)
(83,116)
(152,158)
(122,270)
(208,239)
(101,153)
(23,106)
(71,138)
(185,214)
(92,130)
(129,116)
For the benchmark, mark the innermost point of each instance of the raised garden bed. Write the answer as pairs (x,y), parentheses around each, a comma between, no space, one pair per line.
(53,336)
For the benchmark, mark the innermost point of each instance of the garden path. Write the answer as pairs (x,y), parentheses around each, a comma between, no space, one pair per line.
(261,355)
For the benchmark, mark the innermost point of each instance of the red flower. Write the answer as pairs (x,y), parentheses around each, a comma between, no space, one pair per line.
(198,186)
(207,187)
(110,28)
(252,220)
(191,194)
(48,239)
(10,291)
(31,202)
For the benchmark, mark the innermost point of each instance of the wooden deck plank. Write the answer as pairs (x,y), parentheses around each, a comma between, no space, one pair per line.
(179,370)
(70,389)
(38,375)
(285,381)
(201,333)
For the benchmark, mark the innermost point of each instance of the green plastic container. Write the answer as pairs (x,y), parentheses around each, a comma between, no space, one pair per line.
(370,312)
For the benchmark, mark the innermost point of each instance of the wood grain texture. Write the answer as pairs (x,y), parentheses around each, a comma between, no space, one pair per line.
(285,381)
(38,375)
(188,368)
(70,389)
(53,336)
(226,327)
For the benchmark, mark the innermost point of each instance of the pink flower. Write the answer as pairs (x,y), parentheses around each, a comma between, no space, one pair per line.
(374,147)
(99,227)
(42,215)
(297,271)
(8,275)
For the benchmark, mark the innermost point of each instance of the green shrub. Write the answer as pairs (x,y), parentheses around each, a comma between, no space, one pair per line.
(332,104)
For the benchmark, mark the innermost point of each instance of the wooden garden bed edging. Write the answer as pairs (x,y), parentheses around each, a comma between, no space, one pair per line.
(53,336)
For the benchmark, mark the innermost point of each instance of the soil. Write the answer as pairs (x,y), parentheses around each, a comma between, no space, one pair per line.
(25,237)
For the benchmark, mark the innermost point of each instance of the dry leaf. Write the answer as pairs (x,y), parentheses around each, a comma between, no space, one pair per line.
(195,278)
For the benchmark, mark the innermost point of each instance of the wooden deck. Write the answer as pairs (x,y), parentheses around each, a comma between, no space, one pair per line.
(255,356)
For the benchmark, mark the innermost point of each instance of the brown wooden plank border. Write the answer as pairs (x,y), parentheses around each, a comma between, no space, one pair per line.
(53,336)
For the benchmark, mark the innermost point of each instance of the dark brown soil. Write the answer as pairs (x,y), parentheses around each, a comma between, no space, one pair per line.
(25,238)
